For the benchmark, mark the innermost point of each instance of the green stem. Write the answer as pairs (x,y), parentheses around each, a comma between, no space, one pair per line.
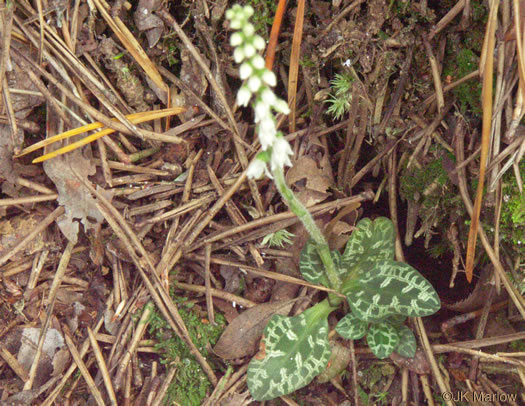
(308,221)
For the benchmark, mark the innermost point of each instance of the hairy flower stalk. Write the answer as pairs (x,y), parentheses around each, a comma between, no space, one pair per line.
(276,151)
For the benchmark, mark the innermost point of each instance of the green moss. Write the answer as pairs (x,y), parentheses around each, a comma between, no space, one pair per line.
(190,385)
(512,221)
(459,63)
(415,181)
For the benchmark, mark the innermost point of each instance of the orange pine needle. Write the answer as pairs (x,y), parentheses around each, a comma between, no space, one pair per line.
(274,34)
(135,118)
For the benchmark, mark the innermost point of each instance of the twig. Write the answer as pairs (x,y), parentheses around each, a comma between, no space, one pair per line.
(102,367)
(443,386)
(84,371)
(230,297)
(27,200)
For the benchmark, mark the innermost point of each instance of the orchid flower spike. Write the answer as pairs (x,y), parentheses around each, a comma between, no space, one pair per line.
(258,86)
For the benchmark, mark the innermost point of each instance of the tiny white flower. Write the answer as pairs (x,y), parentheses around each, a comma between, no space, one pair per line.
(257,62)
(230,14)
(236,24)
(281,106)
(257,169)
(236,39)
(238,55)
(245,71)
(268,97)
(267,133)
(243,96)
(249,50)
(262,110)
(258,43)
(248,30)
(248,11)
(269,78)
(281,153)
(254,84)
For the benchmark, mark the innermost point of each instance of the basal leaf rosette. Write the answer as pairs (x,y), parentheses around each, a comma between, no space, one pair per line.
(371,241)
(389,287)
(293,352)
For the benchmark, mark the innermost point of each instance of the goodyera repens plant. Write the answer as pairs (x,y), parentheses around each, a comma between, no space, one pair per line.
(381,292)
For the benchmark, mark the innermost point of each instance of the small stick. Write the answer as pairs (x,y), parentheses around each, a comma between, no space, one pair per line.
(453,12)
(13,363)
(27,200)
(207,283)
(230,297)
(137,336)
(435,75)
(84,371)
(102,367)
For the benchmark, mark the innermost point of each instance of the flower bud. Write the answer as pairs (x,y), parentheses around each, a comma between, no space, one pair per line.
(243,96)
(236,39)
(256,169)
(281,153)
(245,71)
(269,78)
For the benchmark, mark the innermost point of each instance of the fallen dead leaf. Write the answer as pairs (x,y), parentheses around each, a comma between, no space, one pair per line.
(65,171)
(149,22)
(316,182)
(241,337)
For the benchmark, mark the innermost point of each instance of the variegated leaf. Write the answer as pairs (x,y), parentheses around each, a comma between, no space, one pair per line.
(382,338)
(396,320)
(407,342)
(370,242)
(311,266)
(293,352)
(351,328)
(390,287)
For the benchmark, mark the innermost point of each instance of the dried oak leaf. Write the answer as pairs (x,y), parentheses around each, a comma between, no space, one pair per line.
(242,335)
(65,171)
(317,183)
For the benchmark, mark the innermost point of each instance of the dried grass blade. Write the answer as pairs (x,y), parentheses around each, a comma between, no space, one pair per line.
(486,94)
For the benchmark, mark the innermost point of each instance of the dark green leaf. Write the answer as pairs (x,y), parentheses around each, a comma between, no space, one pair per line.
(407,342)
(310,264)
(293,352)
(351,328)
(382,338)
(390,287)
(370,242)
